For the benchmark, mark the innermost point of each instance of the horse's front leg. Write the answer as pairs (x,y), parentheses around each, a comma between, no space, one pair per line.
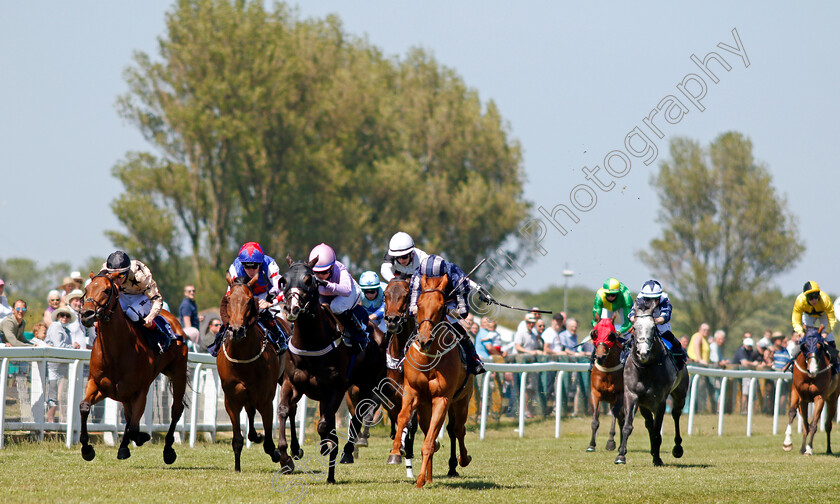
(616,410)
(327,433)
(676,411)
(630,400)
(92,396)
(440,405)
(819,403)
(134,409)
(595,400)
(409,401)
(283,410)
(787,444)
(266,409)
(234,408)
(178,379)
(253,435)
(653,422)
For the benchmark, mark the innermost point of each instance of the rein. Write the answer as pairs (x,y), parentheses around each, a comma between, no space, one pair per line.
(821,371)
(415,344)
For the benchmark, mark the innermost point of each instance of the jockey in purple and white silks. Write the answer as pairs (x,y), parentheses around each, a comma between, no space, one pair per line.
(456,294)
(338,289)
(251,261)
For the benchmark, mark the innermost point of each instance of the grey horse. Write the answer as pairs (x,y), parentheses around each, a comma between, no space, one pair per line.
(650,375)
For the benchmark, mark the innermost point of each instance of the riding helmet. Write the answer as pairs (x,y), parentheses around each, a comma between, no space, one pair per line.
(612,286)
(251,252)
(651,289)
(369,280)
(118,261)
(401,244)
(325,255)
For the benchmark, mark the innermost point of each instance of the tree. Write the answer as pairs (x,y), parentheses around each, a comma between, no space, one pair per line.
(292,132)
(726,231)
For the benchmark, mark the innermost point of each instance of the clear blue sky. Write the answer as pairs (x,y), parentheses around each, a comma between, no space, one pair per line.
(571,81)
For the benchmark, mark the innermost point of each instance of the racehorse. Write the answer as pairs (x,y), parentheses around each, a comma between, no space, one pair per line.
(320,366)
(436,381)
(400,327)
(606,379)
(812,382)
(123,366)
(249,366)
(650,374)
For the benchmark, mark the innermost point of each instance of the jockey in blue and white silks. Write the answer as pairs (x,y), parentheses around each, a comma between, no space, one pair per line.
(651,292)
(251,261)
(373,298)
(456,293)
(402,257)
(251,257)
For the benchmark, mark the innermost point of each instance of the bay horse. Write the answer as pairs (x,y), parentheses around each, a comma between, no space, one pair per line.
(606,379)
(400,326)
(436,381)
(650,375)
(249,366)
(123,366)
(812,382)
(321,367)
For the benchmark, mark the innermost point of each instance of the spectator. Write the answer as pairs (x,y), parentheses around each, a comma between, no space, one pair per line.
(765,341)
(746,355)
(780,354)
(526,340)
(793,343)
(684,342)
(568,339)
(210,334)
(698,347)
(39,332)
(716,349)
(551,336)
(535,312)
(188,314)
(78,279)
(53,302)
(58,336)
(539,328)
(13,326)
(78,333)
(5,309)
(67,285)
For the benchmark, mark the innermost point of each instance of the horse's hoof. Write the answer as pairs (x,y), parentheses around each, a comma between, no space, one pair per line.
(394,459)
(590,448)
(256,438)
(123,453)
(331,480)
(453,473)
(88,453)
(276,456)
(169,455)
(141,437)
(809,451)
(299,454)
(465,461)
(610,446)
(677,452)
(657,462)
(346,458)
(787,447)
(620,460)
(361,442)
(288,465)
(437,445)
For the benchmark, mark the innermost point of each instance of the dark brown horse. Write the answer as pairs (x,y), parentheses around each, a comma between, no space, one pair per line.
(813,382)
(249,366)
(321,367)
(436,381)
(123,366)
(606,379)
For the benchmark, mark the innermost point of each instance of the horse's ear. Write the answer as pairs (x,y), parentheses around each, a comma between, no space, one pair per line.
(92,275)
(822,326)
(615,316)
(313,262)
(223,314)
(612,336)
(289,259)
(253,280)
(592,334)
(228,279)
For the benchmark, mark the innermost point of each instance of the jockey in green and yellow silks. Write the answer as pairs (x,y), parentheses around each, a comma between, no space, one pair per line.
(613,298)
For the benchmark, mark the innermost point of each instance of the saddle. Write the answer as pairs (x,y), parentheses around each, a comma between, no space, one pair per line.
(161,336)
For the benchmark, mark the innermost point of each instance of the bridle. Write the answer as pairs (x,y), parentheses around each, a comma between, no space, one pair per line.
(400,319)
(100,312)
(229,339)
(429,291)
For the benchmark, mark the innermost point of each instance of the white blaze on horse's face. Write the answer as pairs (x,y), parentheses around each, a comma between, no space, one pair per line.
(293,306)
(813,365)
(643,336)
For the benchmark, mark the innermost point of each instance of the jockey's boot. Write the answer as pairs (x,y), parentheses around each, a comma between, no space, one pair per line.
(217,343)
(163,334)
(355,331)
(274,331)
(676,349)
(474,364)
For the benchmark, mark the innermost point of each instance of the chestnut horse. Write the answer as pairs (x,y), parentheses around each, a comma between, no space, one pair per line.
(436,381)
(123,366)
(249,366)
(320,366)
(812,382)
(606,379)
(400,327)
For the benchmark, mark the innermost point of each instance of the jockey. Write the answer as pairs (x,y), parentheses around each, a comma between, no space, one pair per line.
(373,298)
(813,308)
(402,257)
(651,292)
(435,266)
(252,261)
(140,298)
(339,290)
